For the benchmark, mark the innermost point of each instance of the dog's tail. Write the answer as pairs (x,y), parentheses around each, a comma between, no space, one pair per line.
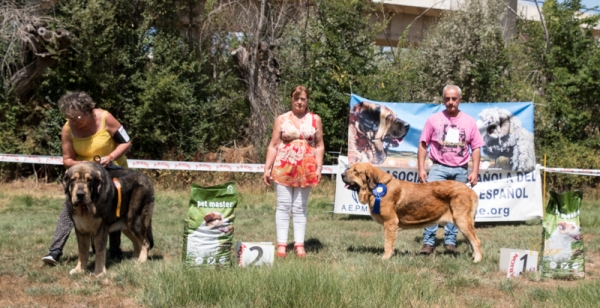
(150,237)
(475,203)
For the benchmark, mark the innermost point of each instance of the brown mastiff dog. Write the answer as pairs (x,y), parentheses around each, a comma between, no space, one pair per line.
(92,202)
(407,205)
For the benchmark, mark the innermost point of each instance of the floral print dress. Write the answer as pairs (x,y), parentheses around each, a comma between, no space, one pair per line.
(296,164)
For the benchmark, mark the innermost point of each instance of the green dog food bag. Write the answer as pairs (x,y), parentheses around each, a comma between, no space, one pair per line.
(208,235)
(563,244)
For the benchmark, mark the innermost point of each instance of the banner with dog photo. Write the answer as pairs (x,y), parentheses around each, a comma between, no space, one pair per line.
(387,134)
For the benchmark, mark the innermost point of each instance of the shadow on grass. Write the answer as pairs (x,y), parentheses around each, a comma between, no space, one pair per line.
(357,217)
(110,261)
(311,245)
(378,251)
(492,224)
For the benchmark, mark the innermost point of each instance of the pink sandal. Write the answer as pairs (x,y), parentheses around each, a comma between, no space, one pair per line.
(281,250)
(300,252)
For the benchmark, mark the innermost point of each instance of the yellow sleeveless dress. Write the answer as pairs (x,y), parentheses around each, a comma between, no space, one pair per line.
(101,143)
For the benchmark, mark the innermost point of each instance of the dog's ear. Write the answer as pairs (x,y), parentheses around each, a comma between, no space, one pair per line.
(371,181)
(97,182)
(66,182)
(100,182)
(371,177)
(377,176)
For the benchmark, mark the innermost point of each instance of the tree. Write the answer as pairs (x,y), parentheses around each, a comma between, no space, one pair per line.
(567,56)
(466,48)
(329,52)
(262,26)
(573,71)
(29,46)
(177,95)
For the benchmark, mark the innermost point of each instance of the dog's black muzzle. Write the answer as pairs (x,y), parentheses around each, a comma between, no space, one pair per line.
(80,196)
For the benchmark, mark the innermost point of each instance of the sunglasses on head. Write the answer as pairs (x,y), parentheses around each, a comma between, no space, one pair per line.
(76,117)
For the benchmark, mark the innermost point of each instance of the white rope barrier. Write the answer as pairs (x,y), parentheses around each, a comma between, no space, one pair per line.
(590,172)
(155,164)
(225,167)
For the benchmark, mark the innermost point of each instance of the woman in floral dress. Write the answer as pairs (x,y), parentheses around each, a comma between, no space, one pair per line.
(294,163)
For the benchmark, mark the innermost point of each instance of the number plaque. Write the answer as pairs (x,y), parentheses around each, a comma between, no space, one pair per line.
(255,253)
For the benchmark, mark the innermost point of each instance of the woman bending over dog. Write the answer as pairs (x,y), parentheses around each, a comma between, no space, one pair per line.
(294,163)
(88,132)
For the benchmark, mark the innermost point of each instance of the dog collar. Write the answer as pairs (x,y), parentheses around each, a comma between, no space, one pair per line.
(379,191)
(117,184)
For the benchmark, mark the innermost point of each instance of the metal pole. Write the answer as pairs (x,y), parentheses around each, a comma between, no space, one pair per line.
(544,189)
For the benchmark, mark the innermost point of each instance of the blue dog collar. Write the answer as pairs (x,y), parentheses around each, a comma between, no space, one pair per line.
(379,191)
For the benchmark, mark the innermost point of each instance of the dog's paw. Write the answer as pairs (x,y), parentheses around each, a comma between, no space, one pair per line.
(75,271)
(386,257)
(99,274)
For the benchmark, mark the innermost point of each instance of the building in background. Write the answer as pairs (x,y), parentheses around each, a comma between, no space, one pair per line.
(422,14)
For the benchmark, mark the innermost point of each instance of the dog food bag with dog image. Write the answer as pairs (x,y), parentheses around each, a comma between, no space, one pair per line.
(563,245)
(208,237)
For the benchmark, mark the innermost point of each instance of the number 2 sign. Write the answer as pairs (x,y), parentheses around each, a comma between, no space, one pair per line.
(255,253)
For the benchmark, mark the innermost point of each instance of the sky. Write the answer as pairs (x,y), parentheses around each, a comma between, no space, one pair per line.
(591,3)
(586,3)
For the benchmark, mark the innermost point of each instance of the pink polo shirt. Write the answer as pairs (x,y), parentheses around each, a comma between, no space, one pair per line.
(451,139)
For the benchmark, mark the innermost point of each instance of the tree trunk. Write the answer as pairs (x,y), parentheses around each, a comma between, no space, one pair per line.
(259,68)
(261,73)
(25,80)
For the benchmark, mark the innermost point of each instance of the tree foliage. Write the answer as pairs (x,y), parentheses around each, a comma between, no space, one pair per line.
(166,71)
(176,95)
(329,54)
(569,65)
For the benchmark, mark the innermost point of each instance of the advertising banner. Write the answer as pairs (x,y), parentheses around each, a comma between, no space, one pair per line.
(387,134)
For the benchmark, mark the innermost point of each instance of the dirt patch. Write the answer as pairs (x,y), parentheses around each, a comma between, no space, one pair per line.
(20,292)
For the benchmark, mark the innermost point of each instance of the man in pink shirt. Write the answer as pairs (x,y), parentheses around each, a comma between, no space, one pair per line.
(452,137)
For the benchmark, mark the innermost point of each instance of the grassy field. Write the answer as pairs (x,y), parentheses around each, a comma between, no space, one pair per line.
(343,267)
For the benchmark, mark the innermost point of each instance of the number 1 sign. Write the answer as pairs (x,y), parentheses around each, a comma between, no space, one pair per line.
(517,261)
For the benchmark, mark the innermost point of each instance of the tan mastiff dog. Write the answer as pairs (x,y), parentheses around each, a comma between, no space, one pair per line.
(407,205)
(97,208)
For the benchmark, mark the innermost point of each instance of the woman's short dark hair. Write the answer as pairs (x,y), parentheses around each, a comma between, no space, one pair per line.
(76,103)
(299,89)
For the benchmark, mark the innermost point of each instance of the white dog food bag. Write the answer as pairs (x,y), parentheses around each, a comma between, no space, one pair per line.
(563,244)
(208,234)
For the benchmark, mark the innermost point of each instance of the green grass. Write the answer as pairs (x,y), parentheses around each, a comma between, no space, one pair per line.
(343,267)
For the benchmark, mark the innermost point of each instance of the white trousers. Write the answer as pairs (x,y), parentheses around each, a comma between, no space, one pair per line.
(292,199)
